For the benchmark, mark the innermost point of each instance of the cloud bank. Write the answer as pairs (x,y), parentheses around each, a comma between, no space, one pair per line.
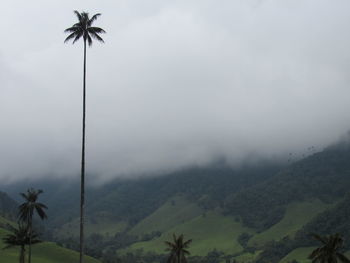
(177,83)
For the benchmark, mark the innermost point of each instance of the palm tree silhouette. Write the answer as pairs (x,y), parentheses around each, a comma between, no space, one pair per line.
(178,249)
(26,212)
(85,30)
(330,251)
(20,237)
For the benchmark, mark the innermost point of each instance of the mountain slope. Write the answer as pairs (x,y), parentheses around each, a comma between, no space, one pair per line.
(258,212)
(174,212)
(324,176)
(297,215)
(208,231)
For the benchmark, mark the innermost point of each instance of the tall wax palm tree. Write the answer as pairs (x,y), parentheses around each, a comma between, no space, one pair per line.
(27,210)
(330,251)
(83,29)
(178,249)
(20,237)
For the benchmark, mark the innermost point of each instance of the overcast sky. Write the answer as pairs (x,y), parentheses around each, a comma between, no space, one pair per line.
(177,83)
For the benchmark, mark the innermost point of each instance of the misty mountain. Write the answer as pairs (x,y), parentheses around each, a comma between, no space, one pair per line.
(134,199)
(272,206)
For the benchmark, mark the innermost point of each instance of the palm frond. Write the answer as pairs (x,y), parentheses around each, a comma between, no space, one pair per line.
(97,30)
(319,238)
(78,15)
(24,196)
(78,25)
(96,36)
(187,243)
(41,212)
(92,19)
(72,29)
(342,257)
(41,205)
(170,246)
(174,238)
(71,36)
(77,37)
(8,246)
(314,253)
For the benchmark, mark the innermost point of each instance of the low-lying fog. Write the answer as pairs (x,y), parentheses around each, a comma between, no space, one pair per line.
(177,83)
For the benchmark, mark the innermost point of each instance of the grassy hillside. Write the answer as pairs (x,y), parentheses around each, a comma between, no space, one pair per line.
(212,230)
(208,231)
(296,216)
(46,252)
(4,221)
(174,212)
(334,220)
(300,254)
(247,257)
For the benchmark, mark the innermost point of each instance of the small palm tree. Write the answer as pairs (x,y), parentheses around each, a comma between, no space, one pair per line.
(27,210)
(20,237)
(330,251)
(178,249)
(83,29)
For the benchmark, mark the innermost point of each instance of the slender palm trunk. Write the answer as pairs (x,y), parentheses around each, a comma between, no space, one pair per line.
(82,183)
(22,254)
(30,238)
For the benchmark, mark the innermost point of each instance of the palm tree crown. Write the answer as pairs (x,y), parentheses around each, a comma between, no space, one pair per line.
(84,29)
(20,237)
(26,210)
(178,249)
(330,251)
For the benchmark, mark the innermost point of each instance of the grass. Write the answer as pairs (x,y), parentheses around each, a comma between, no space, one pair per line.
(4,221)
(208,231)
(247,257)
(174,212)
(297,215)
(46,252)
(300,254)
(212,230)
